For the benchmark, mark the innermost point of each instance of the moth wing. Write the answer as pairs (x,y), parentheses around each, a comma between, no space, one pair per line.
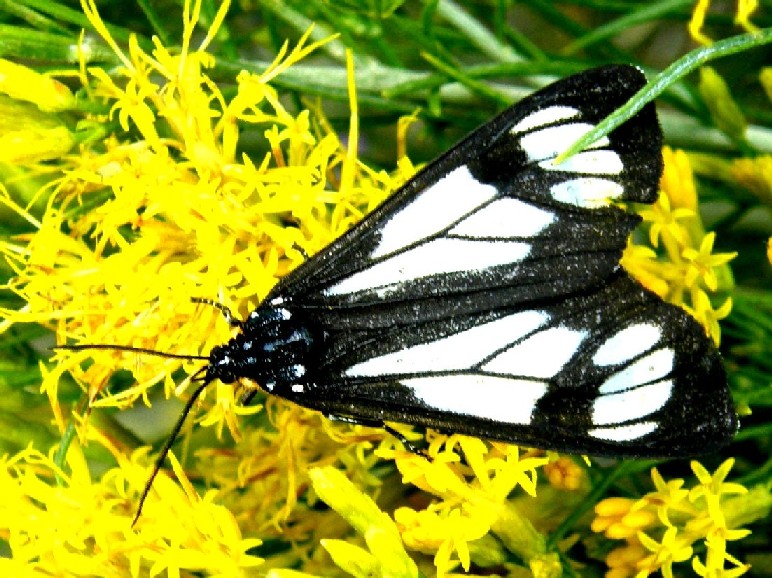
(612,372)
(495,213)
(486,296)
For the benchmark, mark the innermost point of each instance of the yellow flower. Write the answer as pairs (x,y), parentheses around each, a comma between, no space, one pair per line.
(471,502)
(86,525)
(669,496)
(619,518)
(682,517)
(623,561)
(564,473)
(678,180)
(445,532)
(745,8)
(755,175)
(712,487)
(670,550)
(386,556)
(685,263)
(717,557)
(708,316)
(725,112)
(702,262)
(138,224)
(29,135)
(22,83)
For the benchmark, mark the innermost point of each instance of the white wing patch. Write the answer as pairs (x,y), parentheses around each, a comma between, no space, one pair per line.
(655,365)
(542,355)
(548,142)
(462,350)
(624,433)
(505,218)
(545,116)
(627,343)
(632,404)
(450,198)
(499,399)
(439,256)
(601,162)
(586,192)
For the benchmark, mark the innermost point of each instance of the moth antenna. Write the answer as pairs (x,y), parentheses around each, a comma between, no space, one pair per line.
(183,415)
(115,347)
(159,461)
(229,317)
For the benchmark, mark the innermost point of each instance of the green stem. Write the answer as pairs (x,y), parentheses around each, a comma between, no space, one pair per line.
(672,73)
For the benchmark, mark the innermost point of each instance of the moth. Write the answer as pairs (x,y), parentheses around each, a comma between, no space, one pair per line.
(485,297)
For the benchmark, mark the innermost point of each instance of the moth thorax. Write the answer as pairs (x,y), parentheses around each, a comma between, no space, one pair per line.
(274,349)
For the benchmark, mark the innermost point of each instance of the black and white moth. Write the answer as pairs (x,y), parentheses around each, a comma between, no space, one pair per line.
(485,297)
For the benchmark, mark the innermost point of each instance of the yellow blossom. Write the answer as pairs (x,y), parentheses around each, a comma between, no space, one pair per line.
(685,264)
(48,524)
(139,224)
(22,83)
(471,500)
(745,9)
(665,553)
(725,112)
(708,316)
(678,179)
(702,263)
(623,561)
(565,473)
(683,517)
(387,556)
(29,135)
(755,174)
(617,519)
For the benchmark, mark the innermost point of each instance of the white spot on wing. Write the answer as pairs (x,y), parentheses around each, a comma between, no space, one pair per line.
(433,210)
(549,115)
(496,398)
(624,433)
(505,218)
(632,404)
(549,142)
(435,257)
(655,365)
(586,192)
(602,162)
(543,354)
(460,351)
(627,343)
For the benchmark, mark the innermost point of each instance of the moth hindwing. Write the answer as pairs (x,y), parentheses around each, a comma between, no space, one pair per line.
(485,297)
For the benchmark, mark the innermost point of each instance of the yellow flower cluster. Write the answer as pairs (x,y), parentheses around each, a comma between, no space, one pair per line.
(689,269)
(471,482)
(710,512)
(81,527)
(164,210)
(138,228)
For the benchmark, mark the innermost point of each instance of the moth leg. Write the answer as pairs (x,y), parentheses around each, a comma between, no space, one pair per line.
(229,317)
(375,423)
(301,250)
